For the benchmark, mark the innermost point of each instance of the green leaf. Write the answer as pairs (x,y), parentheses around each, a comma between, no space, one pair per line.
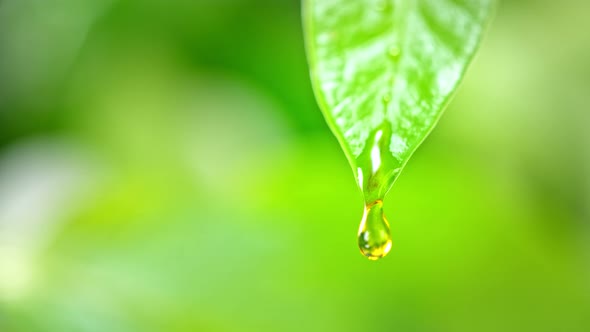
(383,71)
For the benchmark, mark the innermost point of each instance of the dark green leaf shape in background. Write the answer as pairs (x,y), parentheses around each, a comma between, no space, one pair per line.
(383,71)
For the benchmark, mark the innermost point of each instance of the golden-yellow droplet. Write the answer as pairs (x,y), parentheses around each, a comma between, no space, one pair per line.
(374,237)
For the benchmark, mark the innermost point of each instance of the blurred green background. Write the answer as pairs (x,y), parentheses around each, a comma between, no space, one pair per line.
(164,167)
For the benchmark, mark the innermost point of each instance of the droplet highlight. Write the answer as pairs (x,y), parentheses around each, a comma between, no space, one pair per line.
(374,236)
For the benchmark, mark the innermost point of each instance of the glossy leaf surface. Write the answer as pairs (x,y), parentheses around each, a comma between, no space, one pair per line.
(383,72)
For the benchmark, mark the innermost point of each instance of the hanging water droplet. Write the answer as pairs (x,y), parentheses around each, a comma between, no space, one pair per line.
(377,170)
(374,237)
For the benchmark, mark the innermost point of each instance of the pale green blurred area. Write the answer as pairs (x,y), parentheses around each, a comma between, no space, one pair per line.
(164,167)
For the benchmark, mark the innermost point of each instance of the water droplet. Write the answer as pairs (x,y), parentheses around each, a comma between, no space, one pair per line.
(393,52)
(374,237)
